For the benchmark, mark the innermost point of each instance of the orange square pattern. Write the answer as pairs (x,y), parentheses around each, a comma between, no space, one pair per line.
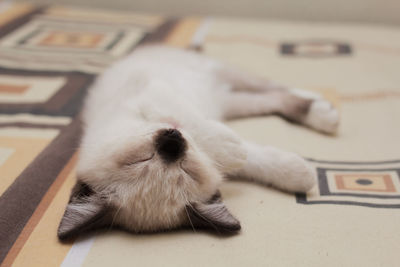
(72,39)
(365,182)
(13,89)
(316,48)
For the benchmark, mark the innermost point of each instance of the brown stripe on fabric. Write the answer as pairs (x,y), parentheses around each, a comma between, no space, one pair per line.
(160,34)
(393,161)
(14,11)
(74,83)
(41,73)
(40,210)
(339,181)
(18,22)
(377,48)
(381,94)
(13,89)
(182,34)
(21,199)
(31,125)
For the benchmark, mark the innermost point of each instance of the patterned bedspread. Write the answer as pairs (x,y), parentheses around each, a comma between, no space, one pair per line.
(49,56)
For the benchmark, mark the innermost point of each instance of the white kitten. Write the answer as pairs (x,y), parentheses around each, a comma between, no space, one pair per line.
(154,152)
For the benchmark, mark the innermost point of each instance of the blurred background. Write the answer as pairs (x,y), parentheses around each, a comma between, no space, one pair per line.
(366,11)
(348,51)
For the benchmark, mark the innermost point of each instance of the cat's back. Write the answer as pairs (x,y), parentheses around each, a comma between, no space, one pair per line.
(181,72)
(182,69)
(166,55)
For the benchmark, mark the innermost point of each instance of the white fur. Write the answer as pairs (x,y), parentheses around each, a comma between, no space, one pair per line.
(323,116)
(305,94)
(284,170)
(159,88)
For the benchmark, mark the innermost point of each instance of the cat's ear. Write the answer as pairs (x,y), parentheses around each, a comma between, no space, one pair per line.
(86,211)
(213,215)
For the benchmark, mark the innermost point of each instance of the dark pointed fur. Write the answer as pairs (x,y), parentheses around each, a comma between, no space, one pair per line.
(213,215)
(86,211)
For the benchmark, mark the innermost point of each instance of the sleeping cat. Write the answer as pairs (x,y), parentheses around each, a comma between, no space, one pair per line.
(154,151)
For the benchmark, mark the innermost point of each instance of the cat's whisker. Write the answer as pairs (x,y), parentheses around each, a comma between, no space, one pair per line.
(187,213)
(200,215)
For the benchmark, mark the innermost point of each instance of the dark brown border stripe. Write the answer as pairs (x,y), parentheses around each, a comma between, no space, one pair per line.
(19,21)
(354,162)
(32,125)
(20,200)
(302,199)
(39,212)
(65,102)
(75,83)
(160,34)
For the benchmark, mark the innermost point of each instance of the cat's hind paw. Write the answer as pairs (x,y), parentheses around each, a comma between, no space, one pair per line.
(323,116)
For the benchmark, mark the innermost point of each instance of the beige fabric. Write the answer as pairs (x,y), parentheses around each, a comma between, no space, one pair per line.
(351,218)
(277,231)
(340,10)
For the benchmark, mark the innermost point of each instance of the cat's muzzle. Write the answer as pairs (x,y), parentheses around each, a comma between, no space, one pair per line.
(170,145)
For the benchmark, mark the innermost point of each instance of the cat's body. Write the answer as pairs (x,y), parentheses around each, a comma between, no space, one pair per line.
(154,152)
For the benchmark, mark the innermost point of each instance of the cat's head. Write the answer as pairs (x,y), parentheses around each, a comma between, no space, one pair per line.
(156,180)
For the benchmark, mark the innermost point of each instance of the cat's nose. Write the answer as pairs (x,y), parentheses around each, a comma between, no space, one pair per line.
(170,144)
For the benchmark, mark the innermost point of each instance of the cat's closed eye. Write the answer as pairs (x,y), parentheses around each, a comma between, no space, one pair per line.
(137,161)
(136,154)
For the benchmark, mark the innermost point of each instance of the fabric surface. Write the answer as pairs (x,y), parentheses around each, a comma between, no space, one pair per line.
(48,58)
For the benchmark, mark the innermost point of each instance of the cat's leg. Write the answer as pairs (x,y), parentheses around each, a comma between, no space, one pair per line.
(244,82)
(316,113)
(221,144)
(270,166)
(237,158)
(252,96)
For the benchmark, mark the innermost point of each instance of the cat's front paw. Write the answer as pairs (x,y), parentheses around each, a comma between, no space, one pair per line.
(299,175)
(322,116)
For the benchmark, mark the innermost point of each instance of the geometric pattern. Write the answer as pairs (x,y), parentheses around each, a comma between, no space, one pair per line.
(348,184)
(66,43)
(366,183)
(315,48)
(48,59)
(70,39)
(22,138)
(25,149)
(76,44)
(42,93)
(32,172)
(5,153)
(28,89)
